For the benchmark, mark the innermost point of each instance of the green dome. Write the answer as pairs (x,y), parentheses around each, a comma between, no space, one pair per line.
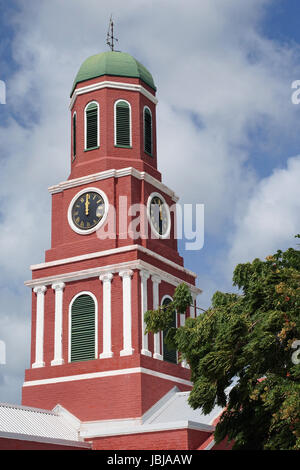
(119,64)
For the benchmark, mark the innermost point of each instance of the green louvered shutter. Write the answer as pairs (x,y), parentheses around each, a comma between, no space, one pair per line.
(74,136)
(169,355)
(148,131)
(83,329)
(123,124)
(91,126)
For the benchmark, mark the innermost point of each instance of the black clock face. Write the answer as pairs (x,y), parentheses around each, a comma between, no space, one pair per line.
(88,210)
(159,215)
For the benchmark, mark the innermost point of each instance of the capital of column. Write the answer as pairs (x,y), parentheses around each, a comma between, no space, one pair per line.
(127,273)
(144,274)
(39,289)
(156,279)
(106,277)
(58,286)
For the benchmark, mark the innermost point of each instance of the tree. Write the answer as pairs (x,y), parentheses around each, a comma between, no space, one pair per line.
(244,353)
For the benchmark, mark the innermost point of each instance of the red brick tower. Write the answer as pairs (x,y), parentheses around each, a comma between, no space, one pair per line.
(89,352)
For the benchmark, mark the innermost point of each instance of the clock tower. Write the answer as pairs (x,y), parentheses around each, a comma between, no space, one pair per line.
(113,256)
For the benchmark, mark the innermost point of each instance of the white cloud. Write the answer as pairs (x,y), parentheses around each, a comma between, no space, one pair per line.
(271,217)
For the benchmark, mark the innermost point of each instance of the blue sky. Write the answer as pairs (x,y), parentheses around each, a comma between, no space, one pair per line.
(228,133)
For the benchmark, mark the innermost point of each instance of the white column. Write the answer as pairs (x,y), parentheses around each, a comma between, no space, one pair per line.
(127,321)
(156,281)
(39,327)
(106,280)
(182,323)
(193,312)
(144,307)
(59,289)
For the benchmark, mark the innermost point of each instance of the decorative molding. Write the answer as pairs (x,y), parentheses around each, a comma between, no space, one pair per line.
(127,313)
(115,85)
(156,280)
(106,280)
(58,287)
(114,268)
(113,173)
(39,333)
(110,373)
(144,275)
(114,251)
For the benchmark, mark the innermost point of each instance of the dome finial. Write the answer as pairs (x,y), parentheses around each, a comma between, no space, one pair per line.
(110,38)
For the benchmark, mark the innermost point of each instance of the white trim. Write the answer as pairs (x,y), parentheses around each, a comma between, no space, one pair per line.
(147,107)
(144,275)
(176,314)
(58,319)
(106,280)
(113,173)
(100,223)
(110,373)
(39,328)
(115,85)
(167,233)
(210,445)
(113,251)
(74,155)
(127,312)
(115,122)
(114,268)
(70,323)
(98,125)
(156,280)
(130,427)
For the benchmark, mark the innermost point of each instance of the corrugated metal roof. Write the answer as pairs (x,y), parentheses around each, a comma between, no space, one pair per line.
(177,408)
(27,421)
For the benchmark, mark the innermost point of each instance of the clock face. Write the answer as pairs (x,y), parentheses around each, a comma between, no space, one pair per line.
(159,215)
(88,210)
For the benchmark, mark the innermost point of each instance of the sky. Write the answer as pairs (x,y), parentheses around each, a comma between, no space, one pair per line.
(228,132)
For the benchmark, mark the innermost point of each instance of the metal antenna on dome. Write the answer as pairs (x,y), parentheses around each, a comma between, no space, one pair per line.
(110,38)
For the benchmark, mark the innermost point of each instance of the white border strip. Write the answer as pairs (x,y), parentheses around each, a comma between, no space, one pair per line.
(113,268)
(113,251)
(111,373)
(113,173)
(110,84)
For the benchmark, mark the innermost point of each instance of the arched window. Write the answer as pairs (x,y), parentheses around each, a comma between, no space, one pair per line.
(122,124)
(83,328)
(169,355)
(147,131)
(92,126)
(74,136)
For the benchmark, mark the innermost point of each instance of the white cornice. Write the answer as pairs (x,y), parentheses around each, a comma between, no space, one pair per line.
(115,85)
(130,171)
(113,251)
(109,373)
(119,428)
(113,268)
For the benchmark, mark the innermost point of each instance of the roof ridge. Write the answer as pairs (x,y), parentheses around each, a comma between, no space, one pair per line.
(28,408)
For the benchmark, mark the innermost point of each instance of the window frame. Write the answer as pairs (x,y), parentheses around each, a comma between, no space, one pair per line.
(70,325)
(85,126)
(74,136)
(144,129)
(115,125)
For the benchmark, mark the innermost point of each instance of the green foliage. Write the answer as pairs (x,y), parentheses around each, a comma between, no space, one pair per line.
(240,353)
